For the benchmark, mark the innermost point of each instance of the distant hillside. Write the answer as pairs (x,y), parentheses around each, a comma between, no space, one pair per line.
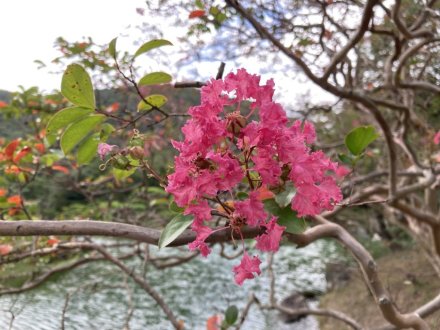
(5,96)
(178,102)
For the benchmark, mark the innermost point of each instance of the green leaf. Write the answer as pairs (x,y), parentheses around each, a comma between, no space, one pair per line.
(146,47)
(112,48)
(156,100)
(175,208)
(50,139)
(305,42)
(155,78)
(121,175)
(214,11)
(199,4)
(65,117)
(242,195)
(231,315)
(220,18)
(76,132)
(88,149)
(157,191)
(49,159)
(346,159)
(77,87)
(286,217)
(174,229)
(159,201)
(106,130)
(285,198)
(359,138)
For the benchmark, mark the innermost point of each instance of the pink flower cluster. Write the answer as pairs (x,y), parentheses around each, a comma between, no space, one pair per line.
(239,134)
(437,138)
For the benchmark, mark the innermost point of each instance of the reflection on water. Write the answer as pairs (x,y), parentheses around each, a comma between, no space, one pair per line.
(195,291)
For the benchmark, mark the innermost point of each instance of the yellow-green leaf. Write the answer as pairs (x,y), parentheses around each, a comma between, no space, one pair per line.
(146,47)
(77,87)
(112,48)
(155,78)
(155,100)
(76,132)
(65,117)
(88,149)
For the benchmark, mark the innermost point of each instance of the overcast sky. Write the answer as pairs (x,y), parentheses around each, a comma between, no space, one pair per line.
(28,29)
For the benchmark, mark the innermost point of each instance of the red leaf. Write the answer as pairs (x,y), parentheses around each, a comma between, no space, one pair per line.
(5,249)
(53,240)
(196,13)
(10,148)
(13,211)
(16,199)
(60,168)
(23,152)
(40,147)
(264,193)
(213,323)
(113,107)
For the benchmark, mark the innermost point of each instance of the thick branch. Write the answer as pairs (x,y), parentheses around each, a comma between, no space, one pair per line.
(113,229)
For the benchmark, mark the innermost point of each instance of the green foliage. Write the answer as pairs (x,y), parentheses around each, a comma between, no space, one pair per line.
(231,315)
(174,229)
(65,117)
(112,48)
(155,100)
(286,217)
(155,78)
(87,150)
(76,132)
(360,138)
(77,87)
(284,198)
(175,208)
(146,47)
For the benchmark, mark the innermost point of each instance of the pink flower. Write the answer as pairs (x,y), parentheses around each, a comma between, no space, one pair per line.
(104,149)
(199,243)
(228,172)
(268,167)
(214,159)
(312,199)
(245,84)
(270,240)
(342,171)
(251,209)
(437,138)
(247,268)
(272,114)
(201,211)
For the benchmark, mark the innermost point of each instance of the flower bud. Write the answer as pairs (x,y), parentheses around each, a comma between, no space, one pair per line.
(235,122)
(136,152)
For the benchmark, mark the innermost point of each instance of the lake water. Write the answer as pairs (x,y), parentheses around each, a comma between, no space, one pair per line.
(195,291)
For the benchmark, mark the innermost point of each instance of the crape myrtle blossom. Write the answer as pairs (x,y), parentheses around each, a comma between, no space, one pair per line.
(104,149)
(239,134)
